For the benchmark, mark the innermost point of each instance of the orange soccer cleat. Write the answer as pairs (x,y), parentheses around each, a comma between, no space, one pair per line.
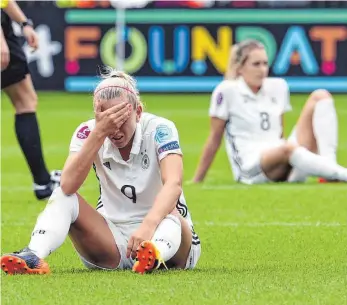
(147,258)
(23,262)
(322,180)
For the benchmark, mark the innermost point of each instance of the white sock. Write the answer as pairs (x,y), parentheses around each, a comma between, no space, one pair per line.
(167,237)
(325,128)
(315,165)
(297,176)
(53,224)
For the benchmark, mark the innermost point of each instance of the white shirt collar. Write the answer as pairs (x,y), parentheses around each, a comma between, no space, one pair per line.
(135,149)
(245,90)
(112,152)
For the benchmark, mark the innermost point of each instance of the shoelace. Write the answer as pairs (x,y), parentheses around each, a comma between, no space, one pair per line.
(26,249)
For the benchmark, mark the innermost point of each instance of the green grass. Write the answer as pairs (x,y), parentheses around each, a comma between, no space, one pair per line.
(272,244)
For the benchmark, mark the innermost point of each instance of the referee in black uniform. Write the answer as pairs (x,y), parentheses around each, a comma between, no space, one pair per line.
(17,84)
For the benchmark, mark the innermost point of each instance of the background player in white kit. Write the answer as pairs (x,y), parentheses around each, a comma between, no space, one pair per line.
(248,107)
(142,221)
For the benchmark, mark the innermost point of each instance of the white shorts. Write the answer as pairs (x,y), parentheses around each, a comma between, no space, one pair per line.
(252,172)
(122,233)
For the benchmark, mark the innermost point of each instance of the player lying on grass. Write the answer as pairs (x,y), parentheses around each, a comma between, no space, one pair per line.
(141,220)
(248,108)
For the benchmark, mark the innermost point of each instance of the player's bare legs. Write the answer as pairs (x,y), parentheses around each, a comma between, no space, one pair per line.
(65,215)
(277,164)
(93,238)
(24,100)
(317,129)
(304,127)
(274,162)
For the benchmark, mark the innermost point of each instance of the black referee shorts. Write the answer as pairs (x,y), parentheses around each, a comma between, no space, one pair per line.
(17,68)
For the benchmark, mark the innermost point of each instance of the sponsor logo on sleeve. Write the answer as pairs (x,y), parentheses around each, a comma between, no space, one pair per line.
(83,133)
(163,133)
(169,146)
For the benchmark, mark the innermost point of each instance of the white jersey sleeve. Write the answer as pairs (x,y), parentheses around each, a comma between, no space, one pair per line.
(80,135)
(166,139)
(220,101)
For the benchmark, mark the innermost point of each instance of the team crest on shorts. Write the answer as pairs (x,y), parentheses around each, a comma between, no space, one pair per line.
(145,161)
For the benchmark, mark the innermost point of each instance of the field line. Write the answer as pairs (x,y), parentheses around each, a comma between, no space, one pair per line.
(269,224)
(276,187)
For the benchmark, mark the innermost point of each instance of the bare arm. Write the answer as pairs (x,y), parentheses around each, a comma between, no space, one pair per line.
(212,145)
(77,165)
(171,168)
(15,12)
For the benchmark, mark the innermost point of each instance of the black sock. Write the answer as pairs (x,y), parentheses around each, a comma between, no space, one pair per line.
(28,136)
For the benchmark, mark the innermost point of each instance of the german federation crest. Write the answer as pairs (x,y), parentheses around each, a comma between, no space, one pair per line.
(145,162)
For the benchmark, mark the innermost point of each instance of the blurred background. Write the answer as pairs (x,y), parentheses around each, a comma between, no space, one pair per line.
(183,46)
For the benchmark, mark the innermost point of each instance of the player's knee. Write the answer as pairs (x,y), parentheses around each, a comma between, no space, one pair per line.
(320,94)
(175,212)
(58,192)
(62,201)
(59,195)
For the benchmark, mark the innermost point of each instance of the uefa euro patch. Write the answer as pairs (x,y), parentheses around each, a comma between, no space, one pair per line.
(163,133)
(168,146)
(83,133)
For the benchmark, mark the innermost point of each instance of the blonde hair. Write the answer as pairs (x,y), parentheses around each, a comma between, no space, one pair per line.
(115,84)
(238,56)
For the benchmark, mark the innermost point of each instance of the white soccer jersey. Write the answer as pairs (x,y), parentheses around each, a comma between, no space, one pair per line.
(128,188)
(252,120)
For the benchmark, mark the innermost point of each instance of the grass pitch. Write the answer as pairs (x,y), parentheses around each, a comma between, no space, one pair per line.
(271,244)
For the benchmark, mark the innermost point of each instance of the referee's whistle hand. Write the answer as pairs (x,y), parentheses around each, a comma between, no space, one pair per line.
(31,37)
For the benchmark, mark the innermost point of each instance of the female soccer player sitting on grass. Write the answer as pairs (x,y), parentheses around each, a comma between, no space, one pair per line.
(248,107)
(141,220)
